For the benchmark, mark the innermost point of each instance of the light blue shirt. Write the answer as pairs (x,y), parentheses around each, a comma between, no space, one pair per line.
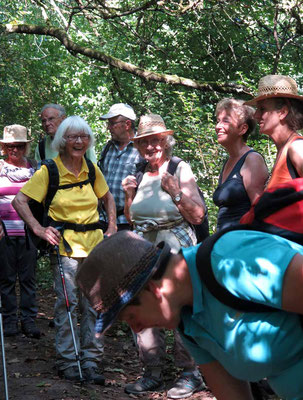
(250,346)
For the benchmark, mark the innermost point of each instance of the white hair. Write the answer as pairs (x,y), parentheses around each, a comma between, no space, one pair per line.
(75,124)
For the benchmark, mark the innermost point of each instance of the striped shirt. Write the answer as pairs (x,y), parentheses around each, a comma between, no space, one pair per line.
(12,179)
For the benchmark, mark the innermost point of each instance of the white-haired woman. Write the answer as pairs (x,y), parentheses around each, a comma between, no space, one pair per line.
(280,115)
(244,173)
(18,255)
(162,207)
(75,205)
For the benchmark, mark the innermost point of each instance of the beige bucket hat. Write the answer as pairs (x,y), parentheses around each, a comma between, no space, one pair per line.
(14,134)
(275,86)
(151,124)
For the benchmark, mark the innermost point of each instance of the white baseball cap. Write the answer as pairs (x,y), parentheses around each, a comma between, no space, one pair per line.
(120,109)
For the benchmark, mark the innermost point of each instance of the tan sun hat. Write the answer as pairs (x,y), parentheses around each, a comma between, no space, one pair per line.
(276,86)
(152,124)
(14,134)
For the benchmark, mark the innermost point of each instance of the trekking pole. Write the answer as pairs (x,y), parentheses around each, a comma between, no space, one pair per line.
(61,270)
(3,353)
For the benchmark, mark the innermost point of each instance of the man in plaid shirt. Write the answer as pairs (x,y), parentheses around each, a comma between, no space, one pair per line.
(119,157)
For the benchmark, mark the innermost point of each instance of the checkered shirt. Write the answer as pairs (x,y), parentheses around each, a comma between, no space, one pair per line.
(116,165)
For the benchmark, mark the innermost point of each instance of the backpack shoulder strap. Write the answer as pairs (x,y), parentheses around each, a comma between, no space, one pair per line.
(41,147)
(204,267)
(173,164)
(103,153)
(91,172)
(140,168)
(53,184)
(291,169)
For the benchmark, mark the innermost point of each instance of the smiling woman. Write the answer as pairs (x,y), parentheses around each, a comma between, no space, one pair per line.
(244,173)
(18,257)
(161,207)
(74,227)
(280,115)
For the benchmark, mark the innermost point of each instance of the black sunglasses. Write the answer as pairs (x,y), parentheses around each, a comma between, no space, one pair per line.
(18,146)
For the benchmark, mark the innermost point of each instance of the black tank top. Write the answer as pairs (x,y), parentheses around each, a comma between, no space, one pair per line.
(231,196)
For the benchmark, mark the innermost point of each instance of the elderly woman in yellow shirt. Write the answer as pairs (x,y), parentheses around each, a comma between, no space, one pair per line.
(75,205)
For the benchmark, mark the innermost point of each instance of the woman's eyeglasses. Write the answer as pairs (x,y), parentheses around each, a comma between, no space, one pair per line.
(153,142)
(16,146)
(74,138)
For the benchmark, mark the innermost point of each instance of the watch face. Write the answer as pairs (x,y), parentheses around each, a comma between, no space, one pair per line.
(177,198)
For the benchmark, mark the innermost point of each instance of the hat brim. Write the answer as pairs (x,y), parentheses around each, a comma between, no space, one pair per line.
(167,132)
(15,141)
(106,320)
(109,115)
(113,115)
(253,102)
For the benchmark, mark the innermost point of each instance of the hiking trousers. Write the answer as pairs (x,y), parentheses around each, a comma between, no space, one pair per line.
(90,349)
(18,261)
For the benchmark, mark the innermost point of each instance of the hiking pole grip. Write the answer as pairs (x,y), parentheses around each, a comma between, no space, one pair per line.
(61,271)
(3,353)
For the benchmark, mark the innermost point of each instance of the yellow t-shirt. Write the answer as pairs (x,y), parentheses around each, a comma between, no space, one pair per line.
(76,205)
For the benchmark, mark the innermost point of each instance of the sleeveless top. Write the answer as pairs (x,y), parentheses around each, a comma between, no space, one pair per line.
(156,217)
(280,173)
(231,196)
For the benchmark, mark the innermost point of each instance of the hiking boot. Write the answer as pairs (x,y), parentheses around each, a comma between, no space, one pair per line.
(147,383)
(10,328)
(93,375)
(70,373)
(30,330)
(186,385)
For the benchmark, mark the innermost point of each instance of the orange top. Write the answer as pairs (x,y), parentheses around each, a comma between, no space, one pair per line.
(280,172)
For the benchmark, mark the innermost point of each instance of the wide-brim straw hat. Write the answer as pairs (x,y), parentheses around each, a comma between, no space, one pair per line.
(116,270)
(15,134)
(275,86)
(152,124)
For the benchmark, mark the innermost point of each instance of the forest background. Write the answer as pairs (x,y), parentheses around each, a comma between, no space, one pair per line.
(176,58)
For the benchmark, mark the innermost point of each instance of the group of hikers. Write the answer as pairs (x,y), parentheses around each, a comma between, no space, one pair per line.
(123,230)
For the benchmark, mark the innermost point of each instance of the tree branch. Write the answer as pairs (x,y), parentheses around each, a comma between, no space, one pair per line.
(144,74)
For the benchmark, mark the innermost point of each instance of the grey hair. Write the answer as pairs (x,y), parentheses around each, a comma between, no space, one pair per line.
(169,146)
(245,113)
(75,124)
(58,107)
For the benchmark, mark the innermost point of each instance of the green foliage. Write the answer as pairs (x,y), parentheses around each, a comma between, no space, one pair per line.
(44,273)
(209,41)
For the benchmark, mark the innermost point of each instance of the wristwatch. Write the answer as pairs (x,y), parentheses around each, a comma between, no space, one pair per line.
(177,198)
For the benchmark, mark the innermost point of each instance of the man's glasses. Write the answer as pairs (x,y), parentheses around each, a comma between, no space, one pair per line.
(111,123)
(74,138)
(16,146)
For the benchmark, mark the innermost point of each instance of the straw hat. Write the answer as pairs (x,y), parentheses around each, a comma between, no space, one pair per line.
(116,270)
(151,124)
(14,134)
(275,86)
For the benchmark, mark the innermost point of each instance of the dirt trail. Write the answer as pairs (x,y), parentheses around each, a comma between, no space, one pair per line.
(32,376)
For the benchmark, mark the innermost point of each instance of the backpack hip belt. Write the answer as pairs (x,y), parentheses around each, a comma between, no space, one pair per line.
(62,226)
(151,225)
